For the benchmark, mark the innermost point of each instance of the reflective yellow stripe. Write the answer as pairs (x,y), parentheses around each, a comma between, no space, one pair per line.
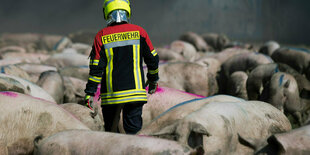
(94,78)
(119,102)
(153,71)
(154,53)
(124,93)
(124,99)
(122,43)
(94,62)
(139,69)
(135,66)
(109,69)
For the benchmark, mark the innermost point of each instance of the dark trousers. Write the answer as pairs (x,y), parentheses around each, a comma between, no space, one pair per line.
(132,117)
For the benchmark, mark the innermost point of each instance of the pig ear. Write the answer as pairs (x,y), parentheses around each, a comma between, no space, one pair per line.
(287,84)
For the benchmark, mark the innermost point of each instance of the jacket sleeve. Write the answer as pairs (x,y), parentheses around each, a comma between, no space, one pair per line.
(150,57)
(96,67)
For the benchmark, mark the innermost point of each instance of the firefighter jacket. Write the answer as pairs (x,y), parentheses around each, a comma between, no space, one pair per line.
(116,62)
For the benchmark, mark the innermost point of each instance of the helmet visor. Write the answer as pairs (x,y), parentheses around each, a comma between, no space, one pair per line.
(118,16)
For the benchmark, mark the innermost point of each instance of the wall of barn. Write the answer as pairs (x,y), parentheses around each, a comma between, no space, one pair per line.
(286,21)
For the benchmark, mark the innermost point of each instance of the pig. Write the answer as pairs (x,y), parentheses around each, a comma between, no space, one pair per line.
(189,77)
(15,71)
(80,72)
(80,142)
(35,70)
(269,47)
(263,73)
(185,49)
(163,99)
(92,119)
(86,37)
(237,85)
(26,41)
(6,62)
(166,54)
(242,62)
(221,127)
(10,84)
(53,83)
(19,39)
(62,44)
(79,85)
(237,44)
(224,55)
(69,57)
(69,92)
(181,110)
(195,40)
(200,54)
(27,57)
(22,58)
(212,64)
(293,142)
(216,41)
(32,41)
(257,79)
(33,89)
(260,79)
(24,118)
(282,92)
(297,59)
(81,48)
(157,103)
(74,90)
(3,148)
(49,42)
(8,49)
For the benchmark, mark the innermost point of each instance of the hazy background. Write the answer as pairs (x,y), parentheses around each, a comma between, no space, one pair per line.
(287,21)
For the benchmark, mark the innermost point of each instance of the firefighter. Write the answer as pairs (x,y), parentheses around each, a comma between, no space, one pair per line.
(116,62)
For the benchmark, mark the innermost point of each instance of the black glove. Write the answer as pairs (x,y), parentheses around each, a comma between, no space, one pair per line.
(89,101)
(152,86)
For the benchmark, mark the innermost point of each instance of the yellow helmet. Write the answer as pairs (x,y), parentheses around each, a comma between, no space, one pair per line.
(111,5)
